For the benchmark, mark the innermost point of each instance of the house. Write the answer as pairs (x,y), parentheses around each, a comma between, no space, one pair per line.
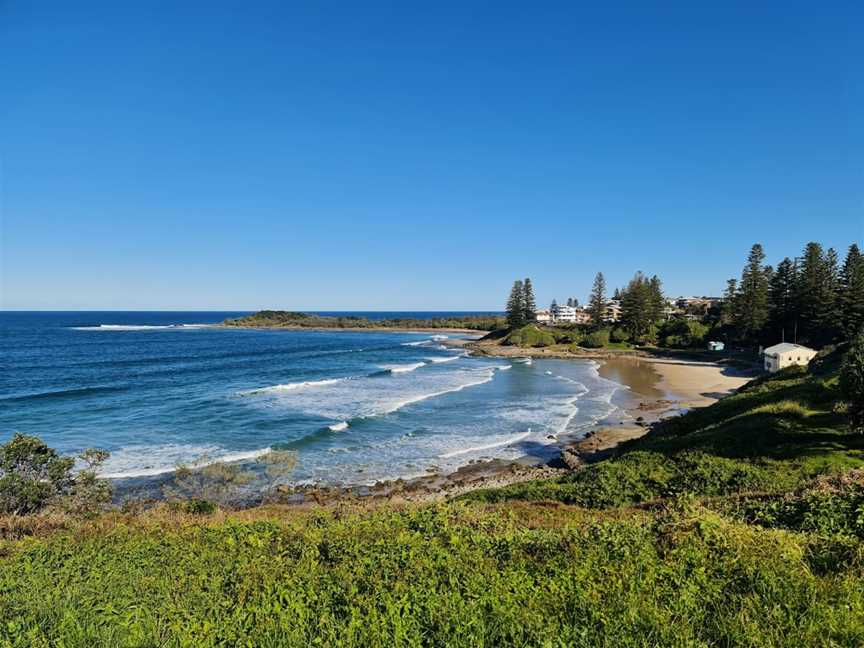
(543,316)
(786,354)
(612,311)
(716,346)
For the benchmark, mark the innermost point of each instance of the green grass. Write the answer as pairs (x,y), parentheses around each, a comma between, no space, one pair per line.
(741,524)
(450,575)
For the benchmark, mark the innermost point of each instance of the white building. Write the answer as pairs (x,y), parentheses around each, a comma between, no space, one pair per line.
(564,314)
(786,354)
(543,316)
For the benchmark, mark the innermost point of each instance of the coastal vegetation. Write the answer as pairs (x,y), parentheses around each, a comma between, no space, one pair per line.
(291,319)
(811,300)
(738,524)
(521,305)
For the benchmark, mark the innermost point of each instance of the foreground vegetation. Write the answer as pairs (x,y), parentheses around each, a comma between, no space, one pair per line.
(738,524)
(290,319)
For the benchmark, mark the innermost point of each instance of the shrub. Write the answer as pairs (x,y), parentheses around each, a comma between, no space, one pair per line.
(32,475)
(530,336)
(619,335)
(597,339)
(199,506)
(682,334)
(227,484)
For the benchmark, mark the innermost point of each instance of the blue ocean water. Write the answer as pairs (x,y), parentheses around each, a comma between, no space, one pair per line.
(156,389)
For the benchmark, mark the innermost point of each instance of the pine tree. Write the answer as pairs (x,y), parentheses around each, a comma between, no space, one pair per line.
(852,292)
(597,302)
(817,296)
(656,299)
(781,303)
(832,312)
(529,304)
(752,299)
(570,301)
(514,310)
(641,306)
(729,307)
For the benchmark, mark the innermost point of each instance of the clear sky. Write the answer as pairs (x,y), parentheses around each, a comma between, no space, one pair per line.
(357,155)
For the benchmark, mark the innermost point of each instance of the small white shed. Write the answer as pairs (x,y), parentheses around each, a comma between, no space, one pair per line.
(786,354)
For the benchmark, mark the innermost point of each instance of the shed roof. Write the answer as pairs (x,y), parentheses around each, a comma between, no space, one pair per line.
(783,347)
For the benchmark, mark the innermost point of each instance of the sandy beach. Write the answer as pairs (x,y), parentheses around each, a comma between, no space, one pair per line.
(655,388)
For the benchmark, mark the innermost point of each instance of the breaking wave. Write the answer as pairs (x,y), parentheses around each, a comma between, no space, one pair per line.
(488,446)
(293,386)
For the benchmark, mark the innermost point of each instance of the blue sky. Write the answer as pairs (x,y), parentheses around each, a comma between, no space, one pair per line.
(389,156)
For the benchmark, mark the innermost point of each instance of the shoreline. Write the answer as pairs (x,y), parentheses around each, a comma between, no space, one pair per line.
(652,389)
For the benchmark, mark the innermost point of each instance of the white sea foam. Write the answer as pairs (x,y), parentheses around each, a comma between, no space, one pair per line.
(338,427)
(402,368)
(488,446)
(138,327)
(292,386)
(126,462)
(439,337)
(439,359)
(421,397)
(418,343)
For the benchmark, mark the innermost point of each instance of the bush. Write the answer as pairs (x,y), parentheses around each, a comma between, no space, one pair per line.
(597,339)
(32,476)
(530,336)
(619,335)
(199,507)
(682,334)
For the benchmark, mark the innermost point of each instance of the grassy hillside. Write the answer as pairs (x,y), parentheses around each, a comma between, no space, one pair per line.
(739,524)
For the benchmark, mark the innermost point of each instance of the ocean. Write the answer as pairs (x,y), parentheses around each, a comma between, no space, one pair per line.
(160,388)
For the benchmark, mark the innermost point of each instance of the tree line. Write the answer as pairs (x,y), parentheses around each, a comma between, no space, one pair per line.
(810,299)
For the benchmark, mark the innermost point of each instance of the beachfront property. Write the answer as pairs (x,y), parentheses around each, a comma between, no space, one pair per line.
(612,311)
(696,307)
(562,314)
(786,354)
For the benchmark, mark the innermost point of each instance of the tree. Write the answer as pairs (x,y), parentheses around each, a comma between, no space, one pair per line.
(597,302)
(852,292)
(752,299)
(570,301)
(640,306)
(529,304)
(817,294)
(515,309)
(729,308)
(656,300)
(781,302)
(32,476)
(852,383)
